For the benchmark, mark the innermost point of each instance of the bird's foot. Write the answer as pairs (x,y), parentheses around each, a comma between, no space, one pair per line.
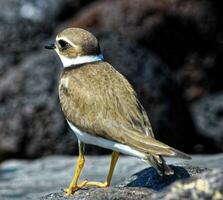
(98,184)
(69,191)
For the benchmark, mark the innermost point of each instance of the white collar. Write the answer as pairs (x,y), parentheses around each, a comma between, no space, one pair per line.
(67,62)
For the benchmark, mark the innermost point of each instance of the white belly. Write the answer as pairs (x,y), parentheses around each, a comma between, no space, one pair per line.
(101,142)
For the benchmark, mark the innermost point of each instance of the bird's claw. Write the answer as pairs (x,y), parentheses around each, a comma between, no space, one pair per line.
(69,191)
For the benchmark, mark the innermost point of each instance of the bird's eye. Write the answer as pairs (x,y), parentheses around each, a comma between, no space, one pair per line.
(63,44)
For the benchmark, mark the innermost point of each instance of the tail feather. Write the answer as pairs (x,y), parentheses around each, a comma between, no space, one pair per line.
(150,145)
(153,150)
(180,154)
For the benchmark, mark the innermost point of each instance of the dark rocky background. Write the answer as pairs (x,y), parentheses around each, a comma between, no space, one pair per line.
(172,53)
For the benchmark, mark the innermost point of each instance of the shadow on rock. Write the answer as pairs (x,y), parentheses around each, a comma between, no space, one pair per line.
(151,179)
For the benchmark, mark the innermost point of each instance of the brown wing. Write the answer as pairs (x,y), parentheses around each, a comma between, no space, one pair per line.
(98,93)
(99,100)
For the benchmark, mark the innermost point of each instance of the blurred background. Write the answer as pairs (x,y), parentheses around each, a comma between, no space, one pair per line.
(170,50)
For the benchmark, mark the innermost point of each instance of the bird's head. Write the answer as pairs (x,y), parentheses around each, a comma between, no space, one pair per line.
(75,46)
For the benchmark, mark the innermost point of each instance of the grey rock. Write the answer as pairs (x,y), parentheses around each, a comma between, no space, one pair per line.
(33,179)
(189,182)
(208,185)
(112,193)
(208,117)
(51,174)
(207,161)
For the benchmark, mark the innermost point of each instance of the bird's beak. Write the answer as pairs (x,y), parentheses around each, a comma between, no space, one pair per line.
(50,46)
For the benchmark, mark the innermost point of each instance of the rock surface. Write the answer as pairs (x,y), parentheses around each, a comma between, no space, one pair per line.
(208,185)
(208,117)
(33,179)
(204,184)
(111,193)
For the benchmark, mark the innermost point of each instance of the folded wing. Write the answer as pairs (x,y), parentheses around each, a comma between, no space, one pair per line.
(111,109)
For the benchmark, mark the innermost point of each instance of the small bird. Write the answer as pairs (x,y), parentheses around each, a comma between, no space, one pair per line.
(102,108)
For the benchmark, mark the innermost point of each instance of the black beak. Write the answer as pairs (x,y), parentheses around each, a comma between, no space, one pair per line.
(50,46)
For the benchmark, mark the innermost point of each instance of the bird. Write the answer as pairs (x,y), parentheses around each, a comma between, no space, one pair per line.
(102,108)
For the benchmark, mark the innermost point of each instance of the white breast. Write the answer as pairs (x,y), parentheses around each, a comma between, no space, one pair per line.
(101,142)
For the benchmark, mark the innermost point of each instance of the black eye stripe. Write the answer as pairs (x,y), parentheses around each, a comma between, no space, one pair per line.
(63,44)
